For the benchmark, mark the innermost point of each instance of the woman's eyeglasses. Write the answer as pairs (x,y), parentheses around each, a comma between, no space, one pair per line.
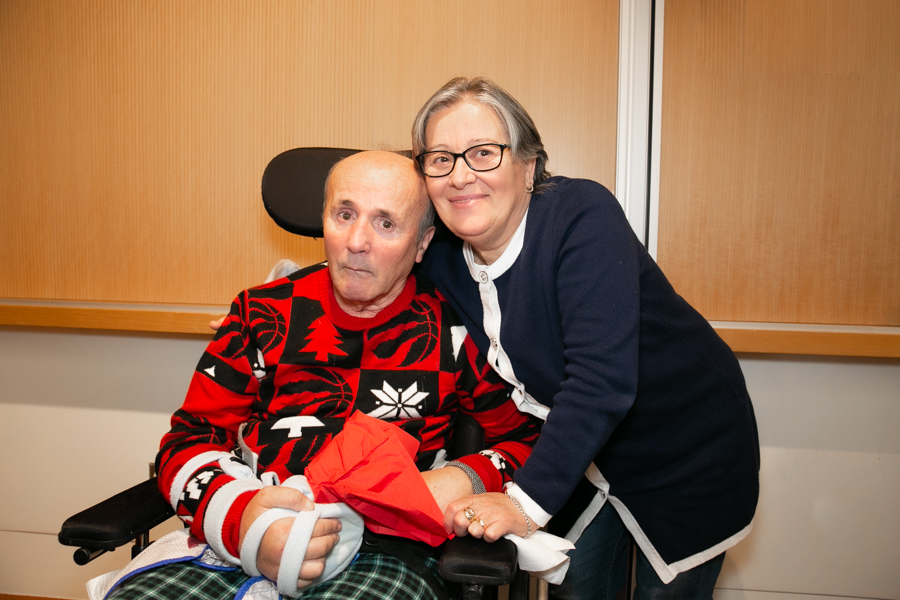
(483,157)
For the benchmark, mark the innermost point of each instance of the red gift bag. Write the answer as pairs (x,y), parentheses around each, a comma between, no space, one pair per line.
(369,466)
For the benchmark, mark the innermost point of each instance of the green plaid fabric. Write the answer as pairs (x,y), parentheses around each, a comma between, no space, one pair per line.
(180,580)
(372,576)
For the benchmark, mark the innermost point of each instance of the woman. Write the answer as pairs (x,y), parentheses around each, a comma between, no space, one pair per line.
(649,426)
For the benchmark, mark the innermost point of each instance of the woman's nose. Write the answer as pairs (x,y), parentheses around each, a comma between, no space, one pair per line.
(461,175)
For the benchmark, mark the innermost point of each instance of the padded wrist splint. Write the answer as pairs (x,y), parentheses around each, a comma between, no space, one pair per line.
(298,540)
(301,531)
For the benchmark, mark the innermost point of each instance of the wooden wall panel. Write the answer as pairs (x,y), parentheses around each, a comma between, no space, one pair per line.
(133,135)
(780,161)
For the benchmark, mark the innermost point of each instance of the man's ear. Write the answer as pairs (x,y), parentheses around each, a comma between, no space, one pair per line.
(423,244)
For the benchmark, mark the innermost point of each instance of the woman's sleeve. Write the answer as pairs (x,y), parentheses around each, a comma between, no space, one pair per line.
(596,262)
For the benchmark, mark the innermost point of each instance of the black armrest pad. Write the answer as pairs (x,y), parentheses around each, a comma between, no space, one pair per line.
(117,520)
(472,560)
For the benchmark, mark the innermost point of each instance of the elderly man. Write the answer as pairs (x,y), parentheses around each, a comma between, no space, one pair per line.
(293,360)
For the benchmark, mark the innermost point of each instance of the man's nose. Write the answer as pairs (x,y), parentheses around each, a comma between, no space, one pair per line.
(358,236)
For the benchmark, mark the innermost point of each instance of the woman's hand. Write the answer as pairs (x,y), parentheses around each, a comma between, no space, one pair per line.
(214,325)
(268,559)
(498,513)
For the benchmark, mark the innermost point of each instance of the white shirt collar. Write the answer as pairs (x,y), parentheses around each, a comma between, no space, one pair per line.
(506,260)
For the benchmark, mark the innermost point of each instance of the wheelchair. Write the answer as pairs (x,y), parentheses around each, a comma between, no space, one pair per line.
(293,187)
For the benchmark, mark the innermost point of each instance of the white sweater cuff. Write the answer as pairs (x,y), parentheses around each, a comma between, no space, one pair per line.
(217,510)
(534,511)
(189,468)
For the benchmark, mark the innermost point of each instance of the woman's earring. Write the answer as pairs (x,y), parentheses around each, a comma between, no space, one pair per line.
(530,187)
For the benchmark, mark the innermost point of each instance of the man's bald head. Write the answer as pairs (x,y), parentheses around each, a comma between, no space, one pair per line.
(410,181)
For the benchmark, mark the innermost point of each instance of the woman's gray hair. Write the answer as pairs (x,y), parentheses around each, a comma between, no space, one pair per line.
(524,139)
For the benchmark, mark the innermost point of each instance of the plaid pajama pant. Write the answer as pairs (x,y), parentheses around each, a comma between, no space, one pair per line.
(371,576)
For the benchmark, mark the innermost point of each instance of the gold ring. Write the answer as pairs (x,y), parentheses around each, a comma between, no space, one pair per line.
(470,514)
(480,522)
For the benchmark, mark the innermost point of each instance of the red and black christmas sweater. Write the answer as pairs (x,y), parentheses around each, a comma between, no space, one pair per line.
(286,369)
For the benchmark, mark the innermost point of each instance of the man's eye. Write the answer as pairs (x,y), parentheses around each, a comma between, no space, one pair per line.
(344,215)
(385,224)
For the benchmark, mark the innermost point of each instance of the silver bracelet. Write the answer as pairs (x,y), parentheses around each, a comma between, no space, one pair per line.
(521,510)
(477,484)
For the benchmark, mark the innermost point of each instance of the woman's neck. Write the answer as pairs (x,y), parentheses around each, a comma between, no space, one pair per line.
(489,251)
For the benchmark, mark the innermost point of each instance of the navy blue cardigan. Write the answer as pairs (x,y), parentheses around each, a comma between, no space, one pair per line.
(637,381)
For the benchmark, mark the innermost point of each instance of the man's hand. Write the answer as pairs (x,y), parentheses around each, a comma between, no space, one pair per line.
(324,537)
(447,484)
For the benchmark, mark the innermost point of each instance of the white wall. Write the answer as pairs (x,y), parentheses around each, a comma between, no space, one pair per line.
(828,522)
(83,412)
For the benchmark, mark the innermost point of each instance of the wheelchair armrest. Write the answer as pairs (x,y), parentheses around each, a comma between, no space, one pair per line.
(116,521)
(472,560)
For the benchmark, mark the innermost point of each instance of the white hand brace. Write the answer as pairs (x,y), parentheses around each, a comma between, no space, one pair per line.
(298,540)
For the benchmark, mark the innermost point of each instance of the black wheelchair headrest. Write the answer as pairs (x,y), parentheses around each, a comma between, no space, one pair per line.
(293,187)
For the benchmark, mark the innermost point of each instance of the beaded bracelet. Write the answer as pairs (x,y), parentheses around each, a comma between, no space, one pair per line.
(521,510)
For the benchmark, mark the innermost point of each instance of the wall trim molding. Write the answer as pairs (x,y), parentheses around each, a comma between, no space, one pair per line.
(798,338)
(765,338)
(164,318)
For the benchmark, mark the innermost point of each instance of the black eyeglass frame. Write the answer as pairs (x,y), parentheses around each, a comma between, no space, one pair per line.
(457,156)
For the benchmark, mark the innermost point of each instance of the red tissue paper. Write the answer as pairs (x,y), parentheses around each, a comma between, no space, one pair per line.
(369,466)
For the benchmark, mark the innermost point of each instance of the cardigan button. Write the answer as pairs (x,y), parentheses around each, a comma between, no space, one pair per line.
(493,343)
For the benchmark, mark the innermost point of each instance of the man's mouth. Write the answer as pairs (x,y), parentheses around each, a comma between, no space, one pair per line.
(358,270)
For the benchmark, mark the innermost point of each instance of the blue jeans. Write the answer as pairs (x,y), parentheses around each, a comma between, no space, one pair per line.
(598,567)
